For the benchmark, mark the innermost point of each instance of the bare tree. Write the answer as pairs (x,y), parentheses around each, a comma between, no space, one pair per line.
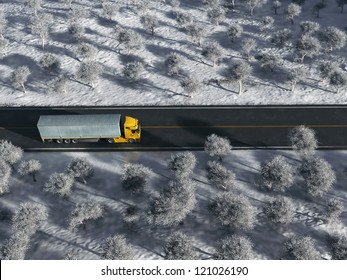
(307,46)
(333,38)
(189,84)
(334,209)
(217,146)
(58,84)
(339,79)
(117,248)
(40,25)
(29,167)
(277,174)
(15,247)
(318,175)
(89,72)
(293,10)
(4,43)
(219,176)
(76,30)
(178,246)
(303,140)
(279,211)
(252,4)
(135,177)
(3,23)
(234,31)
(173,204)
(248,45)
(266,23)
(182,164)
(216,14)
(150,22)
(337,244)
(300,248)
(237,72)
(213,51)
(276,5)
(319,6)
(174,63)
(132,71)
(281,37)
(130,39)
(309,27)
(235,247)
(80,168)
(109,10)
(183,19)
(196,31)
(60,184)
(86,51)
(5,175)
(294,76)
(341,4)
(84,211)
(234,211)
(326,68)
(33,4)
(77,14)
(29,218)
(268,61)
(10,153)
(20,76)
(50,63)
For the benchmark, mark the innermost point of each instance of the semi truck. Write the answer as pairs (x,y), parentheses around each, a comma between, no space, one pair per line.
(72,128)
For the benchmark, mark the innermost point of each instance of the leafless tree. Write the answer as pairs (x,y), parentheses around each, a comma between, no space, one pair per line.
(86,51)
(10,153)
(80,168)
(318,175)
(217,146)
(40,25)
(196,31)
(58,84)
(276,5)
(216,14)
(294,76)
(219,176)
(183,19)
(334,209)
(337,244)
(237,72)
(117,248)
(333,38)
(309,27)
(29,167)
(20,76)
(89,72)
(307,46)
(248,45)
(277,174)
(35,5)
(252,4)
(279,211)
(84,211)
(281,37)
(132,71)
(182,164)
(50,63)
(178,246)
(149,22)
(174,63)
(235,247)
(234,211)
(303,140)
(109,10)
(266,23)
(60,184)
(5,175)
(293,10)
(300,248)
(213,51)
(338,78)
(135,177)
(189,84)
(234,31)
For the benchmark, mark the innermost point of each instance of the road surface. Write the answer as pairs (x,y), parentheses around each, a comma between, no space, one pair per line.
(173,128)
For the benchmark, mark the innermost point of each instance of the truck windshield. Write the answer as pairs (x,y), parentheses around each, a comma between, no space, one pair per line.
(138,130)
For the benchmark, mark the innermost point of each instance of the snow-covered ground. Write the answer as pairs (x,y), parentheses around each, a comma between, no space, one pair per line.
(156,87)
(54,240)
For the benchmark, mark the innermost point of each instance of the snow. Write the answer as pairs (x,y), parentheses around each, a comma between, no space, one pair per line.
(54,239)
(156,87)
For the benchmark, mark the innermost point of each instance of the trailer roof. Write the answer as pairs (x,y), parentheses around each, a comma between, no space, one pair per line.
(79,126)
(79,120)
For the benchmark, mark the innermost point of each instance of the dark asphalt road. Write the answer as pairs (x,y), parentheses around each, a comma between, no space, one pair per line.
(187,127)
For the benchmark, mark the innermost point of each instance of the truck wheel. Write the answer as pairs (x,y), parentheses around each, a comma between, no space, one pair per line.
(131,141)
(67,141)
(59,141)
(74,141)
(110,140)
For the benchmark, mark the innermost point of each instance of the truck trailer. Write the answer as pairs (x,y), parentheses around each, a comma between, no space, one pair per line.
(73,128)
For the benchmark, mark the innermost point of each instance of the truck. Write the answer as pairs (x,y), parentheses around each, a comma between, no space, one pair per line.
(112,128)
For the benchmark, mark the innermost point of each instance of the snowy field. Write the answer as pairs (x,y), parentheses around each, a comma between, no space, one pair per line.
(54,240)
(155,86)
